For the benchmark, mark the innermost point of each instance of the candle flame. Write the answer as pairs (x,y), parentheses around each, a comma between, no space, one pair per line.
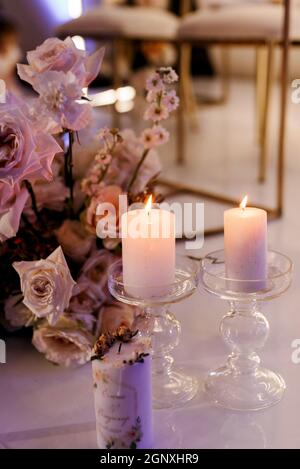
(148,205)
(243,204)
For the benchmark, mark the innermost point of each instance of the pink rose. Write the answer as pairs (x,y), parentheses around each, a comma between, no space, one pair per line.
(74,240)
(61,56)
(12,203)
(25,152)
(106,194)
(59,101)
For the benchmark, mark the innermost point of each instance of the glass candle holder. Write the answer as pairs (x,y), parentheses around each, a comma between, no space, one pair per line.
(171,387)
(243,384)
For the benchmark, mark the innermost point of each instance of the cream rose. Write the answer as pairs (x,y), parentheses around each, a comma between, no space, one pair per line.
(47,285)
(17,315)
(65,344)
(74,240)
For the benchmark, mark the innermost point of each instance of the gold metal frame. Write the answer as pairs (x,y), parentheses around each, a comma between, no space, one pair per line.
(284,44)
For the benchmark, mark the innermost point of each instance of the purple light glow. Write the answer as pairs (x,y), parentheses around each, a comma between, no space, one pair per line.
(57,9)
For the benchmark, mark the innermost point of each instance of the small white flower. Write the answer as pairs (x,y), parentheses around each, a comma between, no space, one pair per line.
(103,158)
(152,96)
(149,138)
(106,138)
(171,101)
(156,113)
(161,135)
(154,83)
(168,75)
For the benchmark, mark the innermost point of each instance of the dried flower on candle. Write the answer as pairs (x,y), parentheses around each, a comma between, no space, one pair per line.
(106,341)
(139,358)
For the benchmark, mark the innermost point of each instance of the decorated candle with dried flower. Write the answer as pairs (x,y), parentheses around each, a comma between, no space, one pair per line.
(122,391)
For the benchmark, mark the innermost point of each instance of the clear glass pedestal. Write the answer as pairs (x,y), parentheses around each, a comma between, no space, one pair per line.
(171,386)
(242,383)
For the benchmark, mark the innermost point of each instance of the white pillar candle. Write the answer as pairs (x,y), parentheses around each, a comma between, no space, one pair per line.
(123,400)
(148,246)
(245,233)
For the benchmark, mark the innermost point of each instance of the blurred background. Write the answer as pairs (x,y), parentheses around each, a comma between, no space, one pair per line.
(225,142)
(38,19)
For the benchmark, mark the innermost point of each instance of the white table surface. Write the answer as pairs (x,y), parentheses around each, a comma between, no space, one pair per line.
(45,406)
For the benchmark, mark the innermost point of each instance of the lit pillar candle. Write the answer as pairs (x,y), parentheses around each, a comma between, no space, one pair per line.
(148,246)
(245,233)
(122,392)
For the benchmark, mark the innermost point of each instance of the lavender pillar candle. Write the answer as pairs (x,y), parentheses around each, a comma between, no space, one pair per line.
(245,234)
(122,391)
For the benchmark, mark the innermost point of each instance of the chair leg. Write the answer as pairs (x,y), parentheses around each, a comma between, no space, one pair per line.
(117,80)
(265,115)
(189,96)
(261,71)
(225,74)
(283,109)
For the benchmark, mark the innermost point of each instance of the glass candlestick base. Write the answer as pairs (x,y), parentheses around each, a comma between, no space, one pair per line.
(242,384)
(171,387)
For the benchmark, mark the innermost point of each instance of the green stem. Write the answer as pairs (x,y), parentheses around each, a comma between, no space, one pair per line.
(69,181)
(31,227)
(111,151)
(132,180)
(104,172)
(66,169)
(33,203)
(70,165)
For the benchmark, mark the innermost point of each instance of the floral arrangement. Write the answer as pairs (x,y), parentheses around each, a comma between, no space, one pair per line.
(53,265)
